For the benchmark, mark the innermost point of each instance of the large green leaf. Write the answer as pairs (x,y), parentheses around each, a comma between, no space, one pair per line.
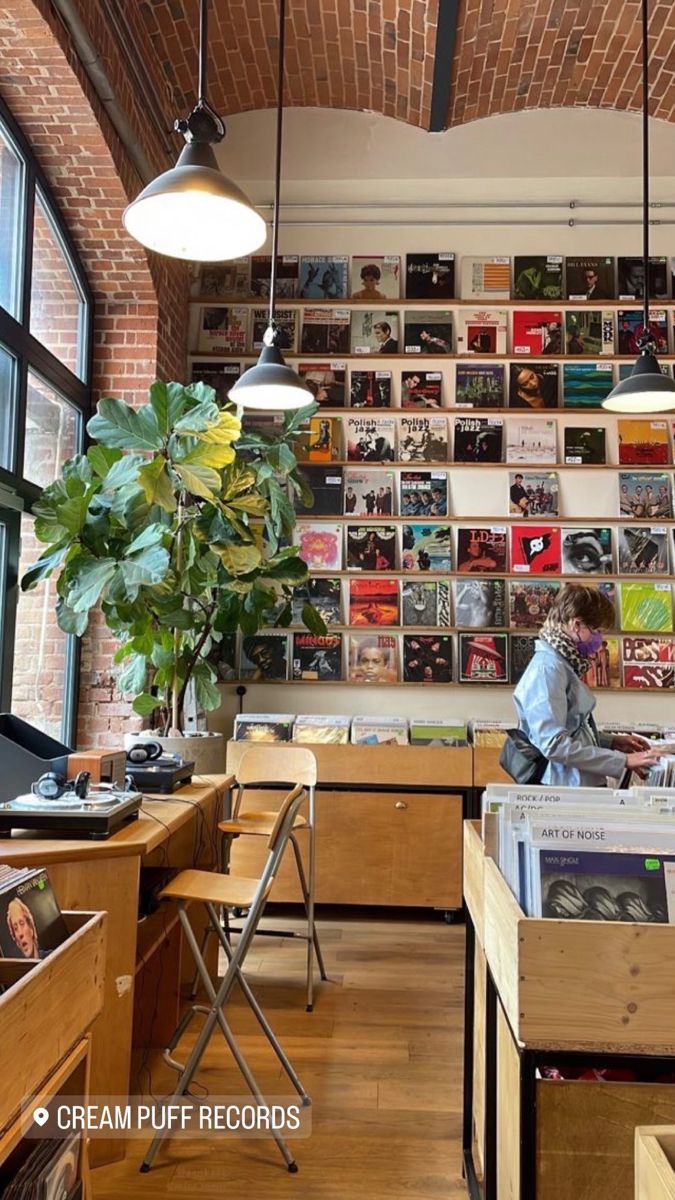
(44,566)
(224,431)
(208,454)
(254,504)
(148,567)
(152,535)
(69,621)
(206,693)
(313,620)
(239,560)
(289,570)
(117,424)
(156,483)
(200,481)
(169,401)
(145,704)
(132,677)
(124,471)
(88,583)
(102,459)
(72,514)
(200,418)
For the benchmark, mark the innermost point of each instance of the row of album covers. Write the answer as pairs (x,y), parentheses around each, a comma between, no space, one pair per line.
(530,332)
(531,385)
(436,275)
(374,439)
(378,657)
(589,854)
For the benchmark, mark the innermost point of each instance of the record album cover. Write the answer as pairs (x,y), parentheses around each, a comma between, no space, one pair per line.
(325,331)
(589,332)
(480,385)
(421,389)
(646,607)
(423,493)
(263,727)
(531,441)
(373,602)
(326,483)
(427,658)
(535,549)
(376,277)
(370,389)
(317,657)
(425,602)
(318,440)
(643,549)
(375,331)
(369,493)
(323,277)
(586,385)
(521,650)
(326,381)
(287,326)
(430,276)
(584,445)
(31,924)
(426,547)
(537,331)
(223,329)
(423,439)
(538,277)
(482,331)
(645,494)
(370,438)
(222,281)
(533,385)
(221,376)
(264,656)
(480,603)
(286,283)
(604,667)
(587,551)
(428,332)
(478,439)
(486,278)
(373,658)
(483,658)
(320,545)
(534,493)
(590,277)
(481,549)
(631,272)
(530,602)
(630,325)
(324,594)
(648,662)
(371,547)
(643,442)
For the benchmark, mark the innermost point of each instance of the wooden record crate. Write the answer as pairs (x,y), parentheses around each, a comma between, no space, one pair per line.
(655,1163)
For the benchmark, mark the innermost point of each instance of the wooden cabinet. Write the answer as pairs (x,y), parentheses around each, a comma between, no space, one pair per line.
(655,1163)
(389,842)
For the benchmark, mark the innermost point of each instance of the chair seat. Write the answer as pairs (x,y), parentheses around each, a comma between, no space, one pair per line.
(259,824)
(234,891)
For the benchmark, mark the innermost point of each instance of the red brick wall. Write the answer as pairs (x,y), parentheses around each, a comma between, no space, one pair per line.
(140,300)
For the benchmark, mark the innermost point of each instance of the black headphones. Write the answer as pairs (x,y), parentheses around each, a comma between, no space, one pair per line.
(51,786)
(142,752)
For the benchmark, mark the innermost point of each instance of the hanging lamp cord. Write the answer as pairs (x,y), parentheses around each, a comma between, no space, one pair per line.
(277,173)
(647,340)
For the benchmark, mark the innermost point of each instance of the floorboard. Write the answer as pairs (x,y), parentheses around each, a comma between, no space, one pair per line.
(381,1056)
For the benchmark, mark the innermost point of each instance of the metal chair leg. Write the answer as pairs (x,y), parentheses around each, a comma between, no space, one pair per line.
(313,946)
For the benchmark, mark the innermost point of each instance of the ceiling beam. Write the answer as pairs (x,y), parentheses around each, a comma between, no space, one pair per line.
(446,36)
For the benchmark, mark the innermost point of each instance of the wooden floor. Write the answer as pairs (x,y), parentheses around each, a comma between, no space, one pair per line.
(381,1056)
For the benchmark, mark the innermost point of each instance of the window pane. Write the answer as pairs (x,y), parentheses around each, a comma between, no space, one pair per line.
(7,408)
(56,304)
(11,233)
(52,432)
(40,683)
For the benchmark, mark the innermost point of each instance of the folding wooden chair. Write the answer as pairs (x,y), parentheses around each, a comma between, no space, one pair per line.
(217,891)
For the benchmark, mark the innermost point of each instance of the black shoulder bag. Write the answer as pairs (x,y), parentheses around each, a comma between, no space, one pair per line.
(523,761)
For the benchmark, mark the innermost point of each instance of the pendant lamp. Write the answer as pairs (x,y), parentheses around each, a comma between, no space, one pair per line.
(193,211)
(271,384)
(646,389)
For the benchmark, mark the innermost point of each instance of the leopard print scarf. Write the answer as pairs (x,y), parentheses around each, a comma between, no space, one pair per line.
(556,637)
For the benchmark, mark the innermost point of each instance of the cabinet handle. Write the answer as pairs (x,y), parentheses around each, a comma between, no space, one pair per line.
(400,804)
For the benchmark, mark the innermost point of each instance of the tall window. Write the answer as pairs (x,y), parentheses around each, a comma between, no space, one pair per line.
(45,342)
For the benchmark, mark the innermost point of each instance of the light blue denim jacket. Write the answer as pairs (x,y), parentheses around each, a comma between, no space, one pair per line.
(553,706)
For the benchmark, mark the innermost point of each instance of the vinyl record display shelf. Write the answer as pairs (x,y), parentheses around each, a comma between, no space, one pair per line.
(46,1013)
(655,1163)
(388,825)
(541,993)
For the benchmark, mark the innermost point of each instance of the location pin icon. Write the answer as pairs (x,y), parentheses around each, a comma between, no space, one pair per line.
(41,1116)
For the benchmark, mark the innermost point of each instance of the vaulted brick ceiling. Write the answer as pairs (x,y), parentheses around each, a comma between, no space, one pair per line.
(380,54)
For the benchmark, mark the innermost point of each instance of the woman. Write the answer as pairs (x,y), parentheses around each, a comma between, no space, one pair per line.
(555,705)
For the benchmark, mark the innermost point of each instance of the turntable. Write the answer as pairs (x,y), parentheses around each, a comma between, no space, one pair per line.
(100,812)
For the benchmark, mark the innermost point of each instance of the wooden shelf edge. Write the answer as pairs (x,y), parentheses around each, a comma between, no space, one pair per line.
(53,1082)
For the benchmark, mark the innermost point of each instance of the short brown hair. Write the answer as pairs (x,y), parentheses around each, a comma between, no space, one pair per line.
(587,603)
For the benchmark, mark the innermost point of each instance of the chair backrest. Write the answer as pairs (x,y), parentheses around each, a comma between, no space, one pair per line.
(266,764)
(285,818)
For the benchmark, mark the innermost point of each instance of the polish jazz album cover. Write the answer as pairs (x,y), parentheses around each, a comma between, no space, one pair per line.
(371,439)
(423,439)
(430,276)
(478,439)
(480,385)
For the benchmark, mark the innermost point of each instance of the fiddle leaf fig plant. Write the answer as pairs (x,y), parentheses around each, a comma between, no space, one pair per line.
(175,522)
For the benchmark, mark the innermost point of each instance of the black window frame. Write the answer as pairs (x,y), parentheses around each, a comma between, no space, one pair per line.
(32,357)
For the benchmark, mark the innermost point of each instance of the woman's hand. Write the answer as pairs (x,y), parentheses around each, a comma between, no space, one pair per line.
(640,763)
(630,743)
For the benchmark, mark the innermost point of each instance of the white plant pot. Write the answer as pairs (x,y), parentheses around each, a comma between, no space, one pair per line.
(205,750)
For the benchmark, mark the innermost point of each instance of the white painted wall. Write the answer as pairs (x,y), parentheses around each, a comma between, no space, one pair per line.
(537,162)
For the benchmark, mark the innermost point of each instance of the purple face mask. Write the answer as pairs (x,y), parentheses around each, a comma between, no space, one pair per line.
(590,645)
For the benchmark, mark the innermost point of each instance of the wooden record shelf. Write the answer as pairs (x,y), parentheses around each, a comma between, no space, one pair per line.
(402,301)
(324,683)
(489,520)
(413,356)
(541,468)
(466,410)
(522,576)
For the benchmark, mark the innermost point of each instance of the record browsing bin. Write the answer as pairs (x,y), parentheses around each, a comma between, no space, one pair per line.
(542,992)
